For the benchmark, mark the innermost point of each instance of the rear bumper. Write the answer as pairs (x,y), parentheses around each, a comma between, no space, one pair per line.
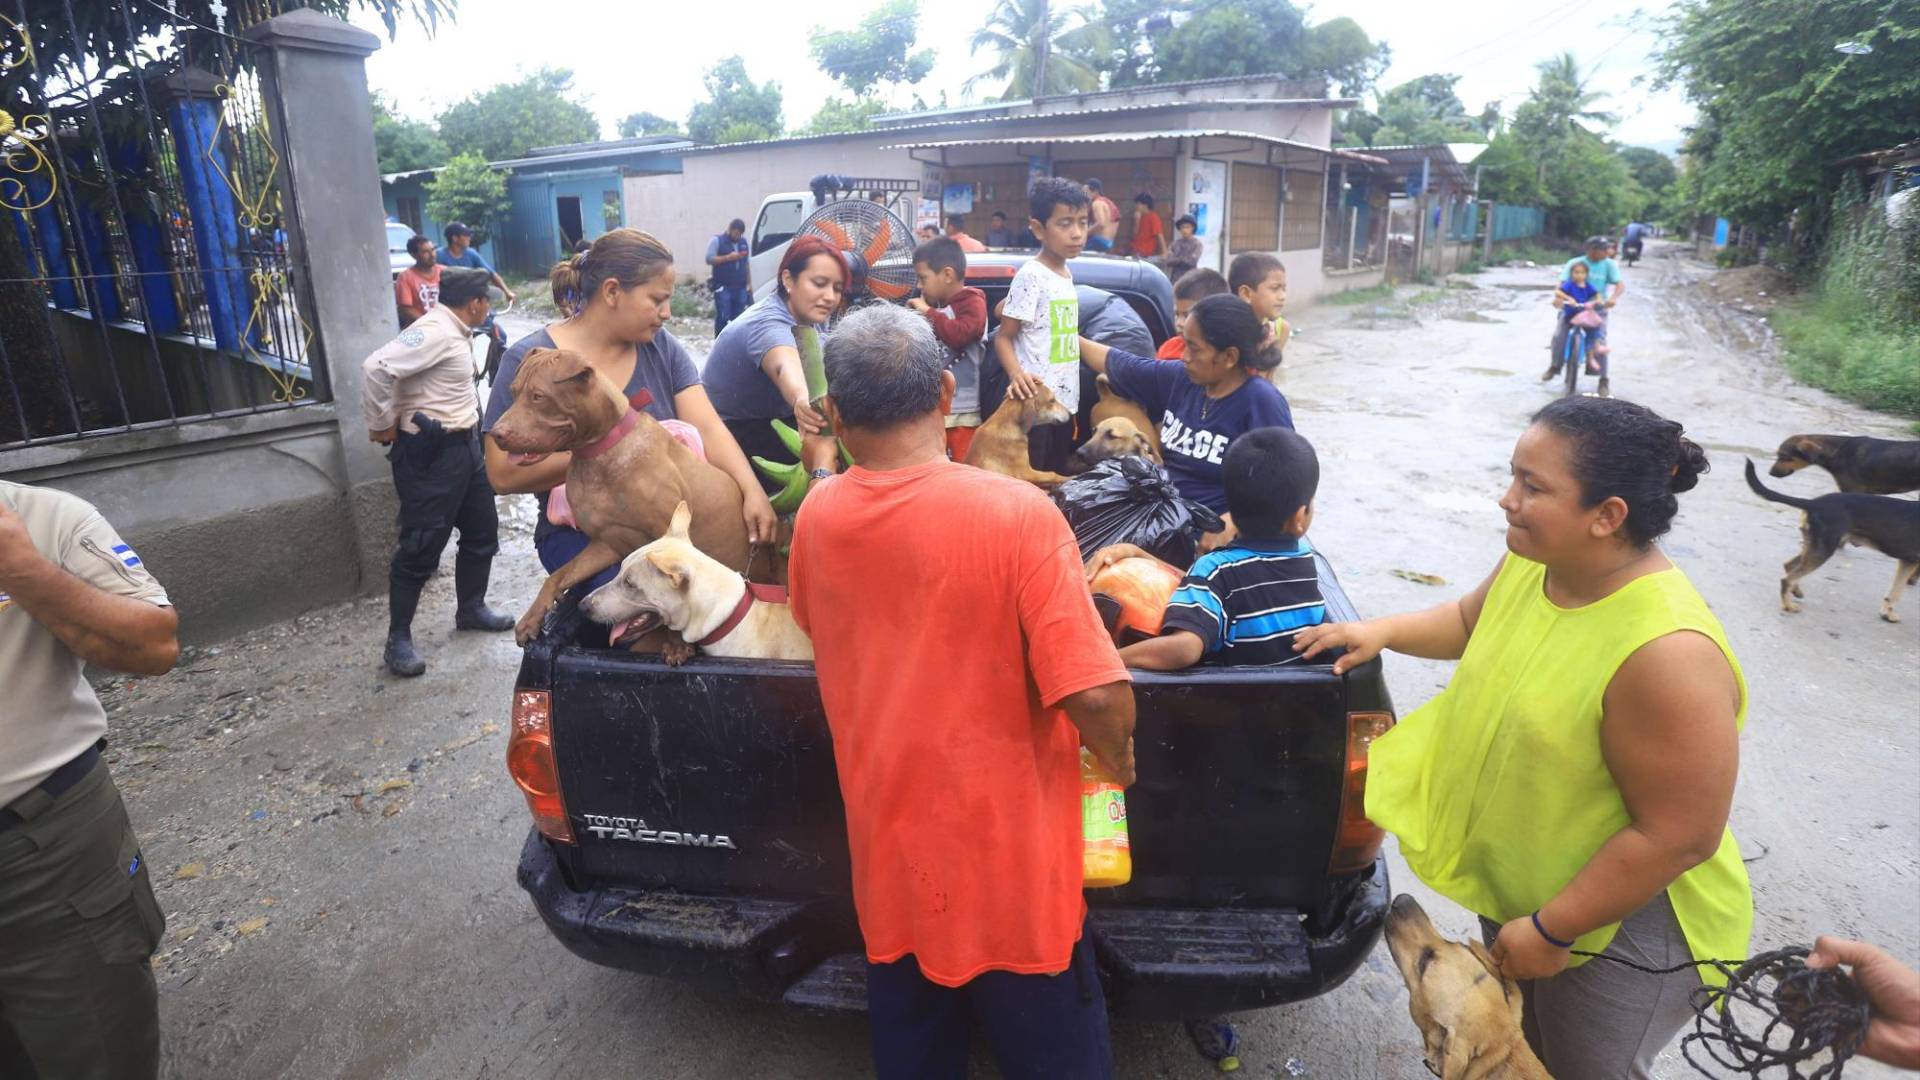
(1154,962)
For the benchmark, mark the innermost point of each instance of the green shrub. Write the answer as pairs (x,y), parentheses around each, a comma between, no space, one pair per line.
(1367,295)
(692,298)
(1859,334)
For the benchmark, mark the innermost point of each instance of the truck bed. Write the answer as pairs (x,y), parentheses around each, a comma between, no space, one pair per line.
(710,839)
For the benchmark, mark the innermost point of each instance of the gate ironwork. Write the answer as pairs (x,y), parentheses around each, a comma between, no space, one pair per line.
(148,275)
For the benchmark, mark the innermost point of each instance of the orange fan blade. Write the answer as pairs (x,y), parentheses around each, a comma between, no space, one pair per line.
(835,234)
(878,246)
(887,290)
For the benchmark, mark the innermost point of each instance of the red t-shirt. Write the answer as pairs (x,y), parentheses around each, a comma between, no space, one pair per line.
(1147,230)
(413,288)
(1174,348)
(949,614)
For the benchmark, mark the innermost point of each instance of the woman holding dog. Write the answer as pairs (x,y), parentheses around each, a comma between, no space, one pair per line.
(1218,393)
(754,370)
(1571,785)
(618,294)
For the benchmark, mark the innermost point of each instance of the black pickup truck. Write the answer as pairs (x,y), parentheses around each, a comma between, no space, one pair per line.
(688,824)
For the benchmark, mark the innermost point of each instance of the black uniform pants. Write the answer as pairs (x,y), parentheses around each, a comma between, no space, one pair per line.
(442,481)
(78,924)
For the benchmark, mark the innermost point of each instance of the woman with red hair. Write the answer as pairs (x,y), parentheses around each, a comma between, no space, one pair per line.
(753,373)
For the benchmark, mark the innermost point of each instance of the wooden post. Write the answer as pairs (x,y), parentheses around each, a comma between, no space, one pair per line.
(1353,233)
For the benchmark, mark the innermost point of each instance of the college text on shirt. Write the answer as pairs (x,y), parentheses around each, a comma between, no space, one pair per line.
(1201,445)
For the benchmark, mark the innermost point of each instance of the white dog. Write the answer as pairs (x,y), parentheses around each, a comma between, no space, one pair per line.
(670,582)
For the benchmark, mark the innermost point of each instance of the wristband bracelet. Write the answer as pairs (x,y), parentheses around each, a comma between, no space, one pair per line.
(1551,940)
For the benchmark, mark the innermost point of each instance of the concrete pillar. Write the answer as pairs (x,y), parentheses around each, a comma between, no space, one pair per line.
(316,89)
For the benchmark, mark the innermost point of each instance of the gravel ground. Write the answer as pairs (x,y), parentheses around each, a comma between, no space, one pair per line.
(334,848)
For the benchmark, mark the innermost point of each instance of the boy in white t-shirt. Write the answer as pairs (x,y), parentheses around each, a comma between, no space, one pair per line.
(1038,341)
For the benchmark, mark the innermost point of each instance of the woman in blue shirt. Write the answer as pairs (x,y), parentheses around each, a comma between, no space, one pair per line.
(617,294)
(754,369)
(1220,391)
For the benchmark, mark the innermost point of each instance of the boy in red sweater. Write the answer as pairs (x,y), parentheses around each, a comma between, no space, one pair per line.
(958,313)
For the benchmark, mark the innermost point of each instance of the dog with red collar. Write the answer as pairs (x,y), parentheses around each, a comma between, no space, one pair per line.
(674,584)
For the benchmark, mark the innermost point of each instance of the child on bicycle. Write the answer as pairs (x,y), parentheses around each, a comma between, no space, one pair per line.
(1570,297)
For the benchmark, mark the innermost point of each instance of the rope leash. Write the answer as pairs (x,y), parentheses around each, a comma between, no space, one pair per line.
(1800,1012)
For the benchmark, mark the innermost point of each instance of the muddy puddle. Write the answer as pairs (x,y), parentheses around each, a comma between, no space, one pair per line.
(1469,316)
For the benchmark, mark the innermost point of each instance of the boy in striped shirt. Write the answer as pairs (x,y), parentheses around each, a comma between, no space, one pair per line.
(1242,604)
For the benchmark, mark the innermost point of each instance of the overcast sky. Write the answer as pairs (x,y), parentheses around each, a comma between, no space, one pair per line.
(628,56)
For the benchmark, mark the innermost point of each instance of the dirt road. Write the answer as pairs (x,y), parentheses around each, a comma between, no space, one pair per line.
(335,848)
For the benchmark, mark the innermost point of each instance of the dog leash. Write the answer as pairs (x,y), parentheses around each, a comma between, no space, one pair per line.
(1807,1012)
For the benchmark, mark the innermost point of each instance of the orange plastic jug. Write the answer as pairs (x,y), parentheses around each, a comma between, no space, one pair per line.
(1103,822)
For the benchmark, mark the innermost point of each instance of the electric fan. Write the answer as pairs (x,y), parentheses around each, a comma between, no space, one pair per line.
(877,244)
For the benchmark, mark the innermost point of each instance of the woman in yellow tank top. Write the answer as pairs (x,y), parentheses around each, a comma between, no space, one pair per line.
(1571,784)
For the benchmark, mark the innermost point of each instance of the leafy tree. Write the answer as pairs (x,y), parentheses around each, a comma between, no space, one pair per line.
(634,125)
(1425,110)
(1148,41)
(1509,173)
(510,119)
(1780,106)
(468,190)
(880,51)
(737,109)
(837,115)
(401,144)
(1039,48)
(1656,175)
(1341,51)
(1559,107)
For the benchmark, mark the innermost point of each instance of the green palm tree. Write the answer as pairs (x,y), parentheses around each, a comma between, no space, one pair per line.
(1038,47)
(1564,96)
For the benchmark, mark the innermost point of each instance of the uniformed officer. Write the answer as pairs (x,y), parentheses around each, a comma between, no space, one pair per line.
(78,921)
(420,401)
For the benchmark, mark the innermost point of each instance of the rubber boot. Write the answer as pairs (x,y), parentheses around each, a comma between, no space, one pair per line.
(400,657)
(470,573)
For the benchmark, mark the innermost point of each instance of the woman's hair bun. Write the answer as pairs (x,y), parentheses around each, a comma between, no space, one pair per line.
(1687,467)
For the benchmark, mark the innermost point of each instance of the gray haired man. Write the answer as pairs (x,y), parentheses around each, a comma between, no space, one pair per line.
(1042,678)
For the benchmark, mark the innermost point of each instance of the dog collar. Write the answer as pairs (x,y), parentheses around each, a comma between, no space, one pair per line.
(772,594)
(641,399)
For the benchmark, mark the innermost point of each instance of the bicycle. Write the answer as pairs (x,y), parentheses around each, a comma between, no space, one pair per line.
(1574,355)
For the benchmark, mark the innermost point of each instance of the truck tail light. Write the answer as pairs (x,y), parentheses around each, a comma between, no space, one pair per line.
(530,763)
(1357,842)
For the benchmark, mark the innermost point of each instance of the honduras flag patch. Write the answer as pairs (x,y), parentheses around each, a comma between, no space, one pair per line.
(5,601)
(125,555)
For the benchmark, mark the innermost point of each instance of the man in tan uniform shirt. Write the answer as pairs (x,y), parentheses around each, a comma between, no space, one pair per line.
(78,920)
(419,399)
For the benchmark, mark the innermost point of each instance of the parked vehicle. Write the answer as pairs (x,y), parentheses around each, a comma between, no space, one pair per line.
(688,824)
(397,257)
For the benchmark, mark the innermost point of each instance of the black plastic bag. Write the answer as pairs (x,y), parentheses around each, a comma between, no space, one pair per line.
(1131,500)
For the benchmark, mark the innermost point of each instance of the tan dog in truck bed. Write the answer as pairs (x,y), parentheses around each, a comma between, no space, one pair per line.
(1000,444)
(627,474)
(1112,406)
(1468,1015)
(673,583)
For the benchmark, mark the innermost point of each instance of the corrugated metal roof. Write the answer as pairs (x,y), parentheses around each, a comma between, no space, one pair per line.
(886,119)
(1137,136)
(1030,118)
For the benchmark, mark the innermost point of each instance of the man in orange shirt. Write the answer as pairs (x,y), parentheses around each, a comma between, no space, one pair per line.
(1149,232)
(418,286)
(957,232)
(962,666)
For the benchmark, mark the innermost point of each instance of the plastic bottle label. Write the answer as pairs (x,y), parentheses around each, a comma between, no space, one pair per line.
(1103,812)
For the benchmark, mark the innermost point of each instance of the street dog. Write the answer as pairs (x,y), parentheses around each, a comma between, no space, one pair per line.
(671,582)
(626,476)
(1859,465)
(1113,406)
(1888,525)
(1114,437)
(1000,444)
(1469,1016)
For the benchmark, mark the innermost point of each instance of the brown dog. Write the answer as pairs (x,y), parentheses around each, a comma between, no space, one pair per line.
(626,477)
(1112,406)
(1468,1015)
(1114,437)
(1859,465)
(1000,445)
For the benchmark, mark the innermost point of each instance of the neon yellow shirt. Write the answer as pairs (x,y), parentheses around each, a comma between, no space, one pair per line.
(1497,789)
